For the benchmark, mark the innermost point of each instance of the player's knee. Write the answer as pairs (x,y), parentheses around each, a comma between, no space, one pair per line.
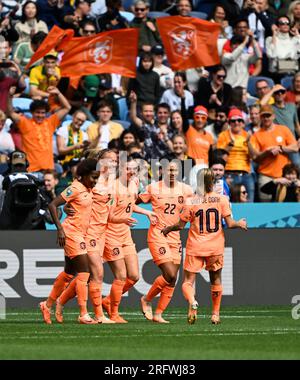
(134,277)
(121,277)
(170,277)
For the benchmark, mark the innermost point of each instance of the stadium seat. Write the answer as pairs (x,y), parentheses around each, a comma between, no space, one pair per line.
(201,15)
(205,6)
(127,4)
(287,82)
(22,104)
(125,124)
(123,108)
(127,15)
(158,14)
(252,81)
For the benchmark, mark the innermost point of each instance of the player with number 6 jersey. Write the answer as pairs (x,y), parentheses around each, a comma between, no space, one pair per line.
(167,198)
(206,242)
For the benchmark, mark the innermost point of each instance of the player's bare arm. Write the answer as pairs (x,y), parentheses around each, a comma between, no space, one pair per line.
(175,227)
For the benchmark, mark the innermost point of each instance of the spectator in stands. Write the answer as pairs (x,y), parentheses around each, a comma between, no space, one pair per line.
(30,23)
(7,29)
(166,75)
(269,147)
(112,19)
(175,97)
(146,84)
(50,182)
(235,141)
(149,35)
(199,141)
(184,8)
(37,132)
(176,123)
(279,8)
(6,143)
(162,119)
(238,193)
(104,130)
(293,94)
(218,167)
(88,28)
(294,14)
(239,99)
(218,15)
(262,88)
(44,76)
(254,124)
(74,17)
(25,51)
(214,93)
(219,124)
(237,62)
(127,138)
(260,19)
(52,11)
(68,175)
(232,9)
(71,140)
(283,49)
(285,188)
(179,151)
(156,141)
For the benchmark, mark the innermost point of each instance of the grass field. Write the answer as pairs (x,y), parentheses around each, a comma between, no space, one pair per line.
(245,333)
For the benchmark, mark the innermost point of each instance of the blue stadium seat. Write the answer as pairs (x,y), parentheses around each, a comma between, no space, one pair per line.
(158,14)
(201,15)
(123,108)
(125,124)
(252,81)
(287,82)
(22,104)
(127,15)
(127,4)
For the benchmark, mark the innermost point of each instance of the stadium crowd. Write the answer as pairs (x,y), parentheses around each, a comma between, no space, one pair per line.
(241,116)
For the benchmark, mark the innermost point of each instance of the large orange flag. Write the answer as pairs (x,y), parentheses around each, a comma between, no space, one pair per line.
(52,41)
(189,42)
(108,52)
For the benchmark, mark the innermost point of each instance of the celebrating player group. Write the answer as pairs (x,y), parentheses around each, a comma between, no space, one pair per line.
(99,206)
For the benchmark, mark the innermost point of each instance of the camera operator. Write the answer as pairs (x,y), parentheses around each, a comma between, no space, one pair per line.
(24,205)
(286,188)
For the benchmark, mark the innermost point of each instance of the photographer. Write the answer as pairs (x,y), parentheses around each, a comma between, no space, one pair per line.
(24,205)
(286,188)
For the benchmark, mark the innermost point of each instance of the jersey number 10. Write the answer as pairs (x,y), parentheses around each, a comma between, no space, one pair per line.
(212,224)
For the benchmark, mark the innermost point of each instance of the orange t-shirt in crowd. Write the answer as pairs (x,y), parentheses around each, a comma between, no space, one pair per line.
(198,144)
(238,158)
(124,198)
(206,235)
(37,141)
(271,166)
(167,203)
(80,198)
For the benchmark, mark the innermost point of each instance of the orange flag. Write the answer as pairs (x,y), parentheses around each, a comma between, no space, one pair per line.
(108,52)
(189,42)
(52,41)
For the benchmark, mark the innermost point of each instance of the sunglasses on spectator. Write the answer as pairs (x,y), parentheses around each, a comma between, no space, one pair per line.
(88,31)
(266,115)
(283,23)
(244,192)
(279,92)
(200,117)
(140,9)
(221,76)
(236,120)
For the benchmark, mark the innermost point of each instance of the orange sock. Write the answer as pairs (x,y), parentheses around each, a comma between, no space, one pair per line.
(68,293)
(128,284)
(82,291)
(60,283)
(216,296)
(165,298)
(188,291)
(156,288)
(95,293)
(116,292)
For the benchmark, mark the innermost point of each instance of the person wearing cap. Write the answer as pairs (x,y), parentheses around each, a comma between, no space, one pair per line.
(235,141)
(166,74)
(44,76)
(199,141)
(149,35)
(270,147)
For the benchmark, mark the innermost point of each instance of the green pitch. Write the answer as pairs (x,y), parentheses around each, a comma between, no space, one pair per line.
(245,333)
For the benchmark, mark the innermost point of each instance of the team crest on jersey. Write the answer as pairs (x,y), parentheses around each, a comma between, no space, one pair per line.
(116,251)
(162,250)
(93,243)
(82,245)
(180,199)
(183,41)
(69,192)
(100,52)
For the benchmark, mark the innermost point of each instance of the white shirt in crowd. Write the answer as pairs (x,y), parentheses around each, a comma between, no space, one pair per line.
(174,101)
(7,144)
